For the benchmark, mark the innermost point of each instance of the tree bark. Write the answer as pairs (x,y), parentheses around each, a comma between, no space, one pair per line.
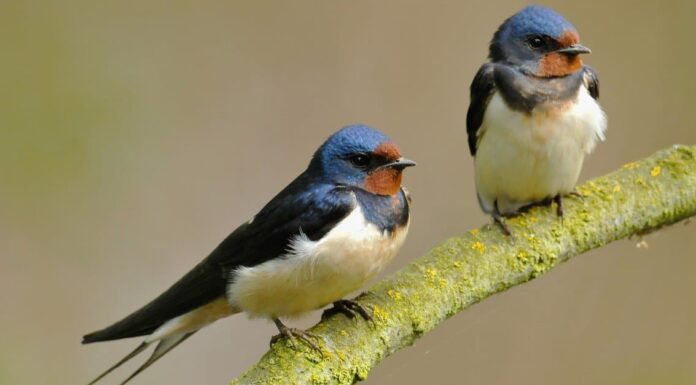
(639,198)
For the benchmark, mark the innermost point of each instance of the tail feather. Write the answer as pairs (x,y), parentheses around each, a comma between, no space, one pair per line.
(125,359)
(171,333)
(165,345)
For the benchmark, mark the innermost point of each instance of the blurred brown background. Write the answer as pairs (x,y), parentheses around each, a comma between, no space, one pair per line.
(135,135)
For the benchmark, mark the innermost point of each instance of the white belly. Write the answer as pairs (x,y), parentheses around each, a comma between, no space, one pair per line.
(315,273)
(525,158)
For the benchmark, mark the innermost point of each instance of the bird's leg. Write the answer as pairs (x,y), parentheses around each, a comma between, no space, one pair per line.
(499,219)
(348,307)
(559,202)
(292,333)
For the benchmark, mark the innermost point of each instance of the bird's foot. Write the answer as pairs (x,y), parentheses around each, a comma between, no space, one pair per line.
(348,307)
(576,194)
(499,220)
(293,334)
(559,201)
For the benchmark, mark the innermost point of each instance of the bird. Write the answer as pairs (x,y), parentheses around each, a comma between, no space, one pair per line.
(533,114)
(321,238)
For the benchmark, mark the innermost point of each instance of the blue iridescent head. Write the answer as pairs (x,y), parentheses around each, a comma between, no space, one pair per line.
(361,157)
(539,41)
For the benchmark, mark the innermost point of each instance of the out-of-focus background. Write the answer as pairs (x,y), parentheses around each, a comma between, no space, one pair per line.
(134,136)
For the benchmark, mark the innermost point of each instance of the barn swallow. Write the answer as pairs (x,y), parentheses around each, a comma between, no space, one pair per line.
(533,114)
(322,237)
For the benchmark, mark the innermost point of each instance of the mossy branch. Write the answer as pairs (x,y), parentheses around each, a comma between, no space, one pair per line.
(639,198)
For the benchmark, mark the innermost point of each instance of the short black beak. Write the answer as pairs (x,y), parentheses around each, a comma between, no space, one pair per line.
(400,164)
(575,49)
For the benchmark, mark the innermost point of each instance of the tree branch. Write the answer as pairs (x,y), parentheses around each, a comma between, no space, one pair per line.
(639,198)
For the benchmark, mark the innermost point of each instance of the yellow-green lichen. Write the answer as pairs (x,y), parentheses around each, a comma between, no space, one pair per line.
(478,246)
(394,295)
(325,353)
(379,313)
(361,373)
(430,274)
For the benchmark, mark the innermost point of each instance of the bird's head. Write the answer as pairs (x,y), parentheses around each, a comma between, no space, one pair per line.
(361,157)
(540,42)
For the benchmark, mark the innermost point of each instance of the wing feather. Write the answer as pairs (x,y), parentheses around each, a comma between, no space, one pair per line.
(591,81)
(263,238)
(482,88)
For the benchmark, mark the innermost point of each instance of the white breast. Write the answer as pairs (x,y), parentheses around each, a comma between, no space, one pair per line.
(315,273)
(524,158)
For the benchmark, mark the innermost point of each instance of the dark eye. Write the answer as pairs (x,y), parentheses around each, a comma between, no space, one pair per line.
(536,42)
(360,160)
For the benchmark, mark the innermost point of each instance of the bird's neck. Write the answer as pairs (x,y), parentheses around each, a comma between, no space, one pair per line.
(523,92)
(386,212)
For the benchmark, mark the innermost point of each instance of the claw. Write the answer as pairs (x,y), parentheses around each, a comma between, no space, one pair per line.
(348,307)
(576,194)
(499,220)
(292,334)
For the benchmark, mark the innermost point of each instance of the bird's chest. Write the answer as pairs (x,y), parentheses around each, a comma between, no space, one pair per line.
(549,130)
(524,157)
(315,273)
